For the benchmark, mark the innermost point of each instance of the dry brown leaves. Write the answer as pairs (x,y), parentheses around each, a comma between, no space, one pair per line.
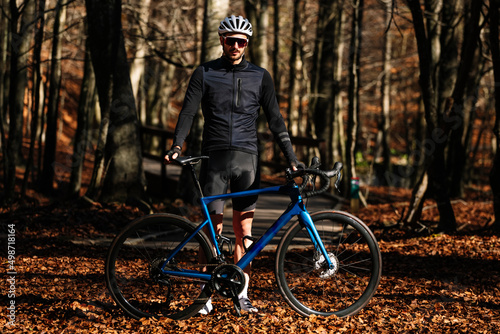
(430,283)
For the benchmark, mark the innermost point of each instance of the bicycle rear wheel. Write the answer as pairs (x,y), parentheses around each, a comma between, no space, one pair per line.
(350,245)
(134,262)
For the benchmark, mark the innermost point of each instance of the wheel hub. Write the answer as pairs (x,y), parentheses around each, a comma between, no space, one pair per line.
(155,272)
(320,262)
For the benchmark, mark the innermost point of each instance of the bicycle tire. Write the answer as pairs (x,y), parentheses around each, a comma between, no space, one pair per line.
(350,244)
(132,267)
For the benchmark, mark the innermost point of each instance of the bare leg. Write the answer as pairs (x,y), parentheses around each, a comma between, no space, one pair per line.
(242,226)
(217,222)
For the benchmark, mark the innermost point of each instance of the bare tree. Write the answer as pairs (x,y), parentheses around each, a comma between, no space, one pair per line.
(383,139)
(49,158)
(354,84)
(4,66)
(443,106)
(118,147)
(294,69)
(276,48)
(4,70)
(37,93)
(138,66)
(324,78)
(86,103)
(469,73)
(257,13)
(20,44)
(495,55)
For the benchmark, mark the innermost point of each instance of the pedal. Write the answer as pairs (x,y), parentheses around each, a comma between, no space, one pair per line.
(236,303)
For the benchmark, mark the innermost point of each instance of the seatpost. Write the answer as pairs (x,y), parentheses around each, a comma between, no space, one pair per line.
(195,178)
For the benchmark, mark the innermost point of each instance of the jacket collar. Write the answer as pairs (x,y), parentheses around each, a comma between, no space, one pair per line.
(227,64)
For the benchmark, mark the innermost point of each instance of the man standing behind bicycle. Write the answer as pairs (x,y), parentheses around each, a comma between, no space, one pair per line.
(231,91)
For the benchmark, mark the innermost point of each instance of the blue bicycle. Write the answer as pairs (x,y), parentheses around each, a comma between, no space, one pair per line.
(327,263)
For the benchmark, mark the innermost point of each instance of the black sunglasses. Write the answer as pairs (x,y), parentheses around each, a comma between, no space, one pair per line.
(231,41)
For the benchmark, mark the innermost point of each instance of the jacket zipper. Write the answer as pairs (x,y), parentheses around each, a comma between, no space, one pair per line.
(236,103)
(231,116)
(238,92)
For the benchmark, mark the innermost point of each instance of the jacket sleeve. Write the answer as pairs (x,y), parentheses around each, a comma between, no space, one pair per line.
(269,104)
(190,107)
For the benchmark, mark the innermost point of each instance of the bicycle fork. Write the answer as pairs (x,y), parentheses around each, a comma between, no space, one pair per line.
(321,257)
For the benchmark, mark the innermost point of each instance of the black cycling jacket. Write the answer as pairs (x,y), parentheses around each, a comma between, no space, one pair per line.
(231,97)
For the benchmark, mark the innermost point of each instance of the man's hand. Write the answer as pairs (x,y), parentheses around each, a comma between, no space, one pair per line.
(296,165)
(172,155)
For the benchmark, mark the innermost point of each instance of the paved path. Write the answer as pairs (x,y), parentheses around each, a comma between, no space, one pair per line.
(269,207)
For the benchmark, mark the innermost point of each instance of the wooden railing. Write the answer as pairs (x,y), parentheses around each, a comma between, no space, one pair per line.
(166,135)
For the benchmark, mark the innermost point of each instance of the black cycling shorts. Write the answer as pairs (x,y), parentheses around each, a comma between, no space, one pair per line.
(235,170)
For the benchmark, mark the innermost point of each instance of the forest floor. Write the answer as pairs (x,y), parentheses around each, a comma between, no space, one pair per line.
(430,283)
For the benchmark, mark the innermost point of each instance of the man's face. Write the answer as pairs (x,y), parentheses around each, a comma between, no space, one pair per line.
(233,46)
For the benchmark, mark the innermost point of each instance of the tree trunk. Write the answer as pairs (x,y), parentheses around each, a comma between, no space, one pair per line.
(429,51)
(383,136)
(427,87)
(322,102)
(125,178)
(468,71)
(119,129)
(295,64)
(215,12)
(137,68)
(276,65)
(20,46)
(4,68)
(354,84)
(85,105)
(257,13)
(336,140)
(276,49)
(495,55)
(37,94)
(4,64)
(49,157)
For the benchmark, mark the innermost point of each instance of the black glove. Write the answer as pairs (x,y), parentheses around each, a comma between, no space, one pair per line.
(172,151)
(298,164)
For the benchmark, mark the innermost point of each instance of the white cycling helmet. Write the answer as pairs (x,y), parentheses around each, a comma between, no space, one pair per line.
(235,24)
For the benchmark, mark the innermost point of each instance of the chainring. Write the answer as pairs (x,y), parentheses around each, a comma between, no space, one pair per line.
(228,279)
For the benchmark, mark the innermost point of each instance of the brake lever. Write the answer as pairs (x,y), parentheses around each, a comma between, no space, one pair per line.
(337,169)
(337,182)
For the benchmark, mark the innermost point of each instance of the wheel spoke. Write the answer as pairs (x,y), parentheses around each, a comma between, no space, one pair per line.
(350,245)
(134,268)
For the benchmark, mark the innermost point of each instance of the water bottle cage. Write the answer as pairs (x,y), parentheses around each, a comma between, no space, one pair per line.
(249,237)
(221,240)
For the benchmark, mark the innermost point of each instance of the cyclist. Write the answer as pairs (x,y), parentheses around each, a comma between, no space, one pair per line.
(231,91)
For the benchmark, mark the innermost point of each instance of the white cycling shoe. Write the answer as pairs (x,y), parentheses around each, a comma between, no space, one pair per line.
(246,305)
(207,308)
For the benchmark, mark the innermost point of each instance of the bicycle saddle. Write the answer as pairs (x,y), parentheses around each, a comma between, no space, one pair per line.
(189,160)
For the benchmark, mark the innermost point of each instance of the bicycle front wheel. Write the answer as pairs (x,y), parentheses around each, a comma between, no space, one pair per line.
(136,257)
(300,268)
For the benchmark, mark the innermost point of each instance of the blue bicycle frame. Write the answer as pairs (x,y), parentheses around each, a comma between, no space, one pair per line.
(295,208)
